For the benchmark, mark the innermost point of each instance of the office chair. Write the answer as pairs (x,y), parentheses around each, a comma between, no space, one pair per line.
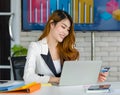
(17,66)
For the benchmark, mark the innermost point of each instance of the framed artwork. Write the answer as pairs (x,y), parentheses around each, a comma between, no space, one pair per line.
(88,15)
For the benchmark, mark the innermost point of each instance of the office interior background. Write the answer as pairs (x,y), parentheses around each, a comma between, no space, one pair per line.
(95,45)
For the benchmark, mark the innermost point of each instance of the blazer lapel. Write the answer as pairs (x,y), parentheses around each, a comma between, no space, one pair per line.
(47,57)
(49,62)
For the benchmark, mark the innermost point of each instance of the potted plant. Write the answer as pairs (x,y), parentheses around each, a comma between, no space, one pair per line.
(18,50)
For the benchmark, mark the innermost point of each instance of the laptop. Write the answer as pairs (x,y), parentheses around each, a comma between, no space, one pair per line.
(80,73)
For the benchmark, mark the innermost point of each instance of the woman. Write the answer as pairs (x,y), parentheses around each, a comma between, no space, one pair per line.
(45,57)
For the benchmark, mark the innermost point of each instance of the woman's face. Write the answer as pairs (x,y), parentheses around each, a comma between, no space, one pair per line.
(60,30)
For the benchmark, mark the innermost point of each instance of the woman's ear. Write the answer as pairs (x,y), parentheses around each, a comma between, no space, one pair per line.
(51,23)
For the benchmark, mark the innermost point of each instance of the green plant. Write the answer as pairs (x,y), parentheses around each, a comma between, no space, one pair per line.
(18,50)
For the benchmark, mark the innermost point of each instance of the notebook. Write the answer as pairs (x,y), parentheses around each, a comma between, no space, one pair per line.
(80,73)
(19,87)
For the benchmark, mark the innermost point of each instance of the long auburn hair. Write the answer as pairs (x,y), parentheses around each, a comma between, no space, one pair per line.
(66,49)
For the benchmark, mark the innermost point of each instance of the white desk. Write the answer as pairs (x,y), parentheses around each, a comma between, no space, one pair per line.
(71,90)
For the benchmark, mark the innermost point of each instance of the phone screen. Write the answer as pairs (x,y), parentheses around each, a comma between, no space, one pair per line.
(99,87)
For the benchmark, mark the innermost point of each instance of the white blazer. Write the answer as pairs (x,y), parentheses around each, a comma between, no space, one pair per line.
(36,63)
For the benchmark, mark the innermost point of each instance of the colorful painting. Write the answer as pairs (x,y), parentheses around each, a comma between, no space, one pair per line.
(88,15)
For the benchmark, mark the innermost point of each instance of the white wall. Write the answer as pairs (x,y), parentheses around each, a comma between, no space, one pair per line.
(16,22)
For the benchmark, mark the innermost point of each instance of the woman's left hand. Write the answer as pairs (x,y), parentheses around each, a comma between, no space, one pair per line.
(102,76)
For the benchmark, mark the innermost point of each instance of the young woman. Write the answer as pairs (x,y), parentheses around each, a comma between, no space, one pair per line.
(45,57)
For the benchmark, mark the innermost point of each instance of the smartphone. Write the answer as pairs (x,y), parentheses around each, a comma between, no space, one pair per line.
(106,69)
(99,87)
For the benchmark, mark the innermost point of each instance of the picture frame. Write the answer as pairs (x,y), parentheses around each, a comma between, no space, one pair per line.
(88,15)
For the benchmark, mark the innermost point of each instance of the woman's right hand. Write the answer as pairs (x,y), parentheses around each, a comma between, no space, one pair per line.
(54,80)
(102,76)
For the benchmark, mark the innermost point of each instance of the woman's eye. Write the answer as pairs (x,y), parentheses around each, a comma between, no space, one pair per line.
(63,27)
(68,30)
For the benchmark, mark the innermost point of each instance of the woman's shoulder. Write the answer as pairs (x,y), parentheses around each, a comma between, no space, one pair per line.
(43,41)
(40,46)
(39,43)
(34,43)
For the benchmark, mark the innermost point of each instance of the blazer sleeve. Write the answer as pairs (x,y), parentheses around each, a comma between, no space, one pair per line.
(30,66)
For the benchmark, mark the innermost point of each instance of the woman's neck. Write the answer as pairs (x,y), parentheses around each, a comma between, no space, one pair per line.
(52,48)
(52,43)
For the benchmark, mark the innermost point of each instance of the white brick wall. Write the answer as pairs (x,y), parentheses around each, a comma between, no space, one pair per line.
(107,48)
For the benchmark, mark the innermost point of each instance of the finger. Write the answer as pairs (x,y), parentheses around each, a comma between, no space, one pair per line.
(104,74)
(102,79)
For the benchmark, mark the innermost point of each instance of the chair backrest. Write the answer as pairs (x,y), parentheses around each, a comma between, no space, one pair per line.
(18,64)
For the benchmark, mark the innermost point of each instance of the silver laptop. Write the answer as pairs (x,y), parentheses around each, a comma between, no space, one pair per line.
(80,72)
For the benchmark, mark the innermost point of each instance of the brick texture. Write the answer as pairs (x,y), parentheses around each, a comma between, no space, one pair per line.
(106,48)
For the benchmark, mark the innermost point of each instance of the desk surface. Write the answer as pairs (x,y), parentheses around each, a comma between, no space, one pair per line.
(72,90)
